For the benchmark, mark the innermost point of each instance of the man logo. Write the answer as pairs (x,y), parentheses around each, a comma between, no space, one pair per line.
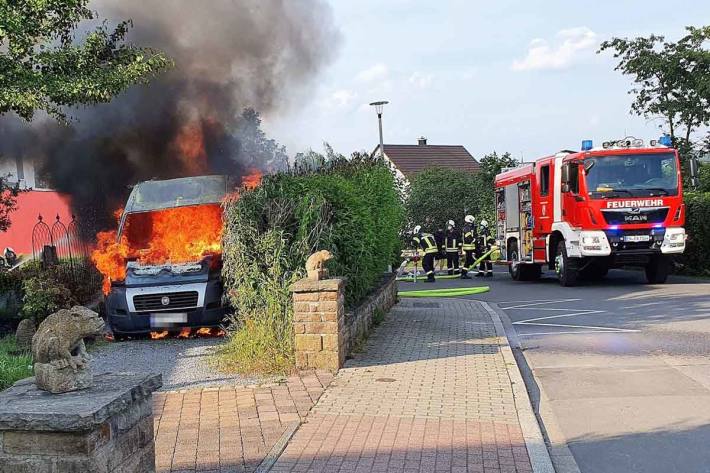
(634,210)
(165,300)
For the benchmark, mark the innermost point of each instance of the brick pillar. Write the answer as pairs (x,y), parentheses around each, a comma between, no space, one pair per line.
(319,323)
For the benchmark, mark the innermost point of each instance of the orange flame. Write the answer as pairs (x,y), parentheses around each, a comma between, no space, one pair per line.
(158,335)
(185,333)
(177,235)
(190,146)
(210,332)
(253,179)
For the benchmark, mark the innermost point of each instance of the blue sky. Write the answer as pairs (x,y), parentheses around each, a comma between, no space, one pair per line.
(518,76)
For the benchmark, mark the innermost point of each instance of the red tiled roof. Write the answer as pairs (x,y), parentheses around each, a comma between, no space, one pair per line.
(411,159)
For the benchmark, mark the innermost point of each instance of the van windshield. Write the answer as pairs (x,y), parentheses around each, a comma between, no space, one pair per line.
(157,195)
(639,175)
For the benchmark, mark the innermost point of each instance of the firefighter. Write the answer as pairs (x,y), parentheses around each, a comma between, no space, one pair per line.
(468,244)
(426,242)
(453,247)
(485,268)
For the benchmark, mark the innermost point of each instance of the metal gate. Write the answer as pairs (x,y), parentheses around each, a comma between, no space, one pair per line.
(61,249)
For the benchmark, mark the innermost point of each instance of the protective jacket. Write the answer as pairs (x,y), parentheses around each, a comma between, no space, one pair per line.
(453,241)
(426,242)
(469,238)
(484,239)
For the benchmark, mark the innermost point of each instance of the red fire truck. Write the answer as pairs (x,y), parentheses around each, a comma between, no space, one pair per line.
(582,212)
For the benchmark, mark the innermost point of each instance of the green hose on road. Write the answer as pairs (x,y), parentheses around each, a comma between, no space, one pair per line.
(450,292)
(453,276)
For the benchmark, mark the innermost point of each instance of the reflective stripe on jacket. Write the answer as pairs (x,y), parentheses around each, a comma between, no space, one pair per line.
(469,238)
(453,241)
(426,242)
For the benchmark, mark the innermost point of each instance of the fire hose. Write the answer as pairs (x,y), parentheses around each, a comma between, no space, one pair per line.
(452,292)
(491,253)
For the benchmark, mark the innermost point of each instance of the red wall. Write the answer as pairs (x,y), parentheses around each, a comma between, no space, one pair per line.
(30,205)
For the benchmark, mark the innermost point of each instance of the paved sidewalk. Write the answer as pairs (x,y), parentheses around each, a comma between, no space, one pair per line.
(229,428)
(430,392)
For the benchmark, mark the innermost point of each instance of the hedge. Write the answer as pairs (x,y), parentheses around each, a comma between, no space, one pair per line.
(349,207)
(696,259)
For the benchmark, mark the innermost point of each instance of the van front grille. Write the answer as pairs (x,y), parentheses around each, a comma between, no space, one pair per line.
(165,301)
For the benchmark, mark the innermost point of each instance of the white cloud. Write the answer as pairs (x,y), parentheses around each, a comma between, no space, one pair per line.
(342,97)
(560,53)
(377,72)
(421,80)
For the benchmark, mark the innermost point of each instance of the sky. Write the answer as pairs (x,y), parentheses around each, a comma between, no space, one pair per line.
(501,75)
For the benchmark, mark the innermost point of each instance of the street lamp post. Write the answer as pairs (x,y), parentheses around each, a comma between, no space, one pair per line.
(378,108)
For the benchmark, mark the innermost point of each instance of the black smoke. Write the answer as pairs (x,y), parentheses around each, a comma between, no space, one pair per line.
(230,55)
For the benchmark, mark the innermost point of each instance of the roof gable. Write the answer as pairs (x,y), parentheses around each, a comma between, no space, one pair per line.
(412,159)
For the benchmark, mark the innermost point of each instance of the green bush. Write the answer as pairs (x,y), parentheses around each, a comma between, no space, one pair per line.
(349,207)
(44,295)
(696,259)
(80,279)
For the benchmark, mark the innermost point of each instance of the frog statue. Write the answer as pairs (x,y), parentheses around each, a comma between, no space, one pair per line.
(61,363)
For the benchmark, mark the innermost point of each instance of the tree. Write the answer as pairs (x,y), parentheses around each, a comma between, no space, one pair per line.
(672,80)
(44,68)
(8,202)
(437,195)
(255,147)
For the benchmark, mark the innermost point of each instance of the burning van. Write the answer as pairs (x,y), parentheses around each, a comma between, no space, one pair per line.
(162,268)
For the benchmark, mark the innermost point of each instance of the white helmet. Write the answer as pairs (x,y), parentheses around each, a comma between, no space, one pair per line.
(417,229)
(469,219)
(451,223)
(484,223)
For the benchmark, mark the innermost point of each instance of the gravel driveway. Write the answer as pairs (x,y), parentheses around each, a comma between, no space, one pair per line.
(184,363)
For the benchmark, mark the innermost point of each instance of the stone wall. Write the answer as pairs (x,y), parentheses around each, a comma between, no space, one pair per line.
(107,428)
(324,333)
(358,321)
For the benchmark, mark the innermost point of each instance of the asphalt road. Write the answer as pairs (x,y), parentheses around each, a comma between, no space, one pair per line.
(621,368)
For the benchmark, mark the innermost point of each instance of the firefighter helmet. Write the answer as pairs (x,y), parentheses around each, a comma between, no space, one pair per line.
(469,219)
(451,223)
(484,223)
(417,229)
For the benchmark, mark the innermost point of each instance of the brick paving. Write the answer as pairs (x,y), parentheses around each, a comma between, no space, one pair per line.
(429,393)
(229,428)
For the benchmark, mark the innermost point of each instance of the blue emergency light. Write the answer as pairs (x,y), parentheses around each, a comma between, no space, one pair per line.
(587,145)
(665,140)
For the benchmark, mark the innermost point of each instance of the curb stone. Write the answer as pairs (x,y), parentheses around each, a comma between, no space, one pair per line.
(268,462)
(562,458)
(534,441)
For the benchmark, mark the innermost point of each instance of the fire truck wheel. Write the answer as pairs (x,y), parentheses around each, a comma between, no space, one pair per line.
(657,270)
(565,267)
(515,270)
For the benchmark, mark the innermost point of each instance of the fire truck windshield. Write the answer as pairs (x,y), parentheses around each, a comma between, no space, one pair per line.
(638,175)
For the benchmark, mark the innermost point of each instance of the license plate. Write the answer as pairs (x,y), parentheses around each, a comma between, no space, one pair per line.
(167,319)
(636,238)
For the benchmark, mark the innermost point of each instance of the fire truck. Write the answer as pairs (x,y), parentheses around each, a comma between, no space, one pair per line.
(581,213)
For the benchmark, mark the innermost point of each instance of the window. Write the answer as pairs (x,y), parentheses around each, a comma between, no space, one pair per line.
(574,178)
(545,180)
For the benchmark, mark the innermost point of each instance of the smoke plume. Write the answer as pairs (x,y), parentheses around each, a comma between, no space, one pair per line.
(229,55)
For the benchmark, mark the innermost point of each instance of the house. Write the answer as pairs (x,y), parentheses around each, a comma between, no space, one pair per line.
(408,160)
(37,200)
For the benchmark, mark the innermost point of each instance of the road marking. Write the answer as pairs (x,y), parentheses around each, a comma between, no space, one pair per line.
(595,327)
(534,303)
(559,316)
(566,333)
(571,312)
